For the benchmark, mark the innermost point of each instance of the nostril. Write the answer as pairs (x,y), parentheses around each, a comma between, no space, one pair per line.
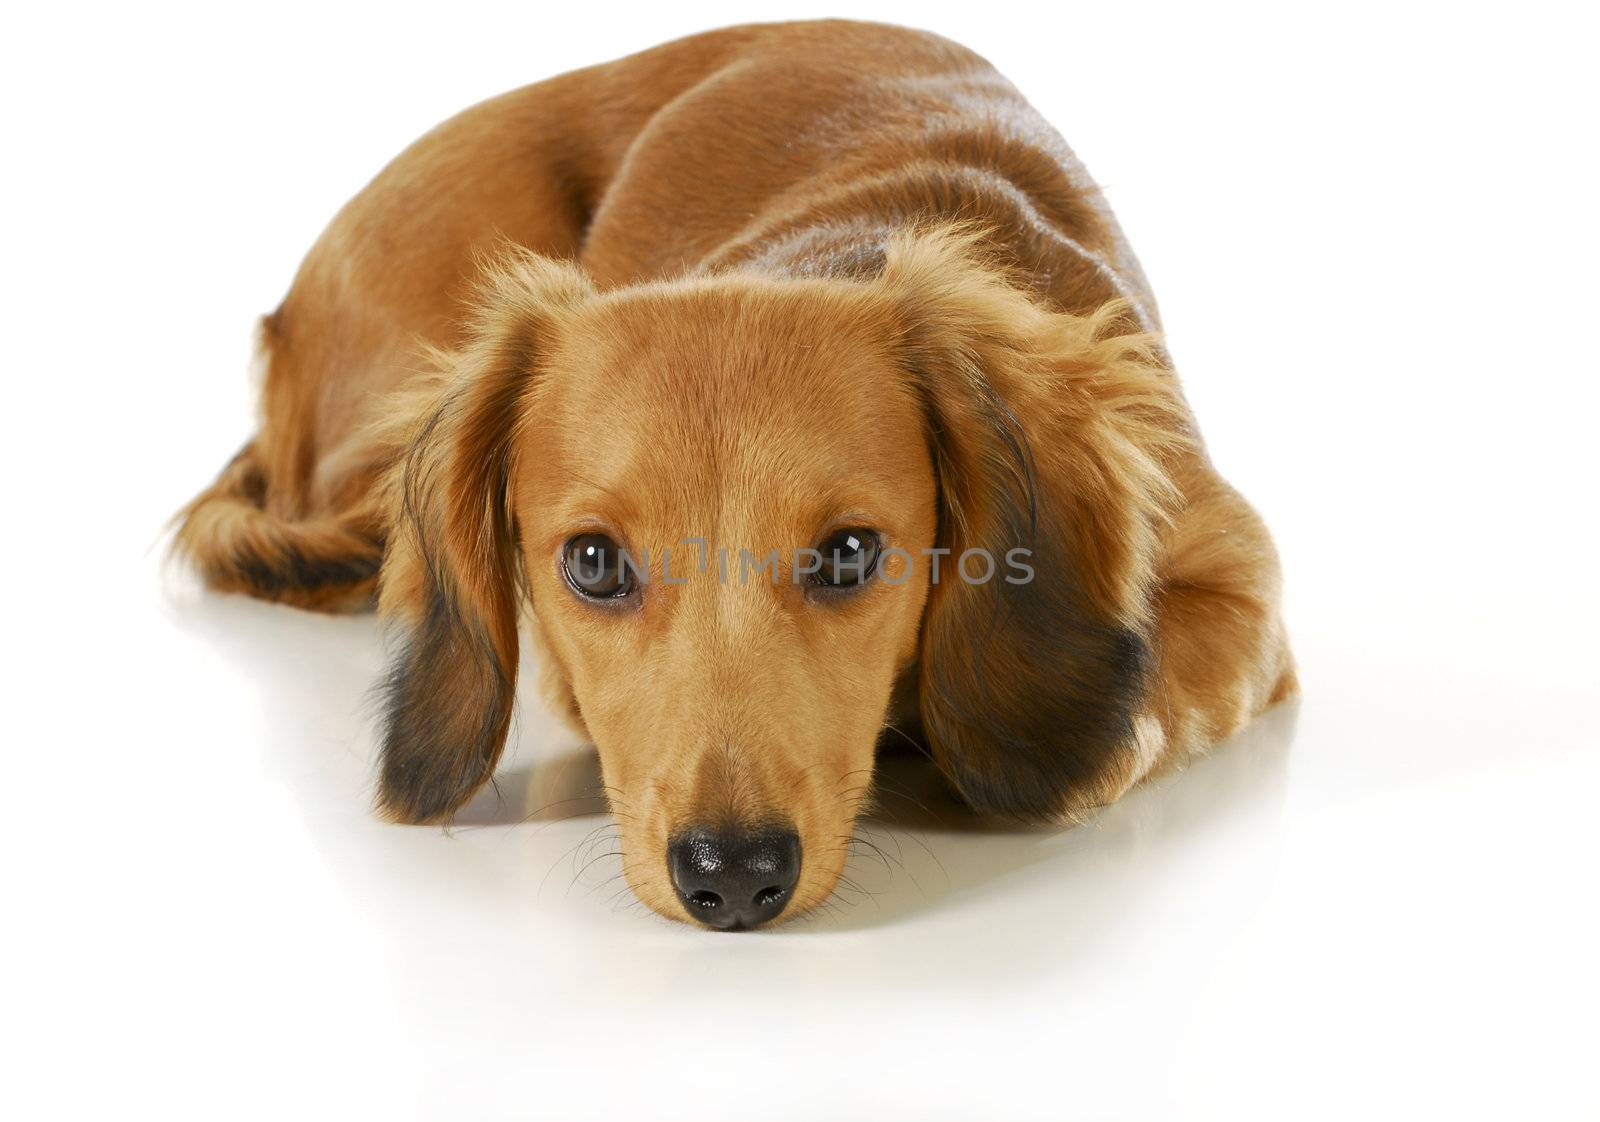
(705,901)
(769,896)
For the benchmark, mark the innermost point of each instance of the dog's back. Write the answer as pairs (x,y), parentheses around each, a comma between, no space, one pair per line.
(813,133)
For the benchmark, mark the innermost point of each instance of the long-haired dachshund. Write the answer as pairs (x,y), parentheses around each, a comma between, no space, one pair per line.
(798,382)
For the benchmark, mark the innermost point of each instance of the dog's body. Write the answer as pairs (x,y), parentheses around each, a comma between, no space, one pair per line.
(817,275)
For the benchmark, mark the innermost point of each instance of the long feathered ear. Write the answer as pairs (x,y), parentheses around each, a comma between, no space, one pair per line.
(451,577)
(1054,434)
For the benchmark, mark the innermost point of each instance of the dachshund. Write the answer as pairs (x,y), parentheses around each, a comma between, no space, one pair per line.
(783,386)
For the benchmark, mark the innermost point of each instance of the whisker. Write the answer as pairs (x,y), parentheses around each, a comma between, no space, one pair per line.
(601,857)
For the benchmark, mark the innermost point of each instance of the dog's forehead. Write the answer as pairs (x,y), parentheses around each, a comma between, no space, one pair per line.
(722,392)
(737,349)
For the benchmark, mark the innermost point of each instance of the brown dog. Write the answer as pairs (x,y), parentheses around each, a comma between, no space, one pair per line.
(798,381)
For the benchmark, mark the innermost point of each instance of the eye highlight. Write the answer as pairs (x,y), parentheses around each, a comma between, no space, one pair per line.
(597,567)
(849,558)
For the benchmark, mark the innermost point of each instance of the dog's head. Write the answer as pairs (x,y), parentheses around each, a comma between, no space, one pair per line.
(750,516)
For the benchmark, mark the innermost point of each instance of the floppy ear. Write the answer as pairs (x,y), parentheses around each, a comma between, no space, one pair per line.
(451,576)
(1054,434)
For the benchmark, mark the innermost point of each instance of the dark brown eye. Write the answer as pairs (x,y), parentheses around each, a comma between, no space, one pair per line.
(849,557)
(597,567)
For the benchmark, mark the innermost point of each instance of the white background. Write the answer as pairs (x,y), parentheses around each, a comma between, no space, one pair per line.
(1372,231)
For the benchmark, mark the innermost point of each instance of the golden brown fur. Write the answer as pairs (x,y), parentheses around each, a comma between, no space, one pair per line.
(771,280)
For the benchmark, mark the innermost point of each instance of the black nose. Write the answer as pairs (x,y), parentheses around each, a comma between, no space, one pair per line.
(734,879)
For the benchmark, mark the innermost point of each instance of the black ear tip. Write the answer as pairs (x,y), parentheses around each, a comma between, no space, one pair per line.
(448,698)
(1061,732)
(1028,796)
(410,796)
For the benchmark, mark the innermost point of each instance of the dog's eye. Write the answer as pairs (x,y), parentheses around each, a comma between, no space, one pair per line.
(849,557)
(597,567)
